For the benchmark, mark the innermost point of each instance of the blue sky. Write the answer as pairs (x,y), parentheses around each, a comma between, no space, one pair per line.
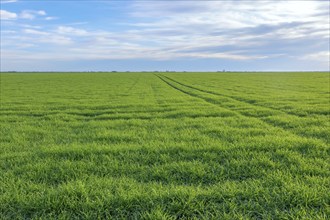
(164,35)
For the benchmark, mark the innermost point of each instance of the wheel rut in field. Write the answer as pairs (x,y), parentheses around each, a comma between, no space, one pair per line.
(212,101)
(230,97)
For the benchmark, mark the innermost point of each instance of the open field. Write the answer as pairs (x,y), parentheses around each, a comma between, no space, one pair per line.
(165,146)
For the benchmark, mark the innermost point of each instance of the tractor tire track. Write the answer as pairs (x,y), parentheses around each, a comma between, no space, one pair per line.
(231,97)
(212,101)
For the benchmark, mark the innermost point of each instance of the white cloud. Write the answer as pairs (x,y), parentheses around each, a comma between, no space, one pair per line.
(42,13)
(70,31)
(195,30)
(323,56)
(30,14)
(8,1)
(50,18)
(43,37)
(31,26)
(27,15)
(199,16)
(57,40)
(32,31)
(6,15)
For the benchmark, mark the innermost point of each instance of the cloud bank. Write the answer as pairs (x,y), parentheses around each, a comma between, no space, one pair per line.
(237,31)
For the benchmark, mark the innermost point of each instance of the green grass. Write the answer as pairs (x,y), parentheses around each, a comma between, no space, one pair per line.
(164,146)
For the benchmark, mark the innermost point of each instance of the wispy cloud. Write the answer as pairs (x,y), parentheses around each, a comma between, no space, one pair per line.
(322,56)
(8,1)
(31,14)
(25,14)
(6,15)
(51,18)
(43,37)
(162,30)
(66,30)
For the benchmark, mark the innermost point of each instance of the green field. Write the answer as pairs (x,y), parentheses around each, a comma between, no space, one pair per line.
(164,146)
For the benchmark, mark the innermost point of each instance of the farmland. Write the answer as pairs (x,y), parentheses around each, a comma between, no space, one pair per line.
(164,146)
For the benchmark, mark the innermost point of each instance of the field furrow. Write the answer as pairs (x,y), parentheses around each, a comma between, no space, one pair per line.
(268,115)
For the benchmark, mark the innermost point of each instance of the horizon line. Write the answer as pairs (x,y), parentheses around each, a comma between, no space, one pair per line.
(168,71)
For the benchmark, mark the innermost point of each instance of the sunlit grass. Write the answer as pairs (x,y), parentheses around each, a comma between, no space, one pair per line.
(164,146)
